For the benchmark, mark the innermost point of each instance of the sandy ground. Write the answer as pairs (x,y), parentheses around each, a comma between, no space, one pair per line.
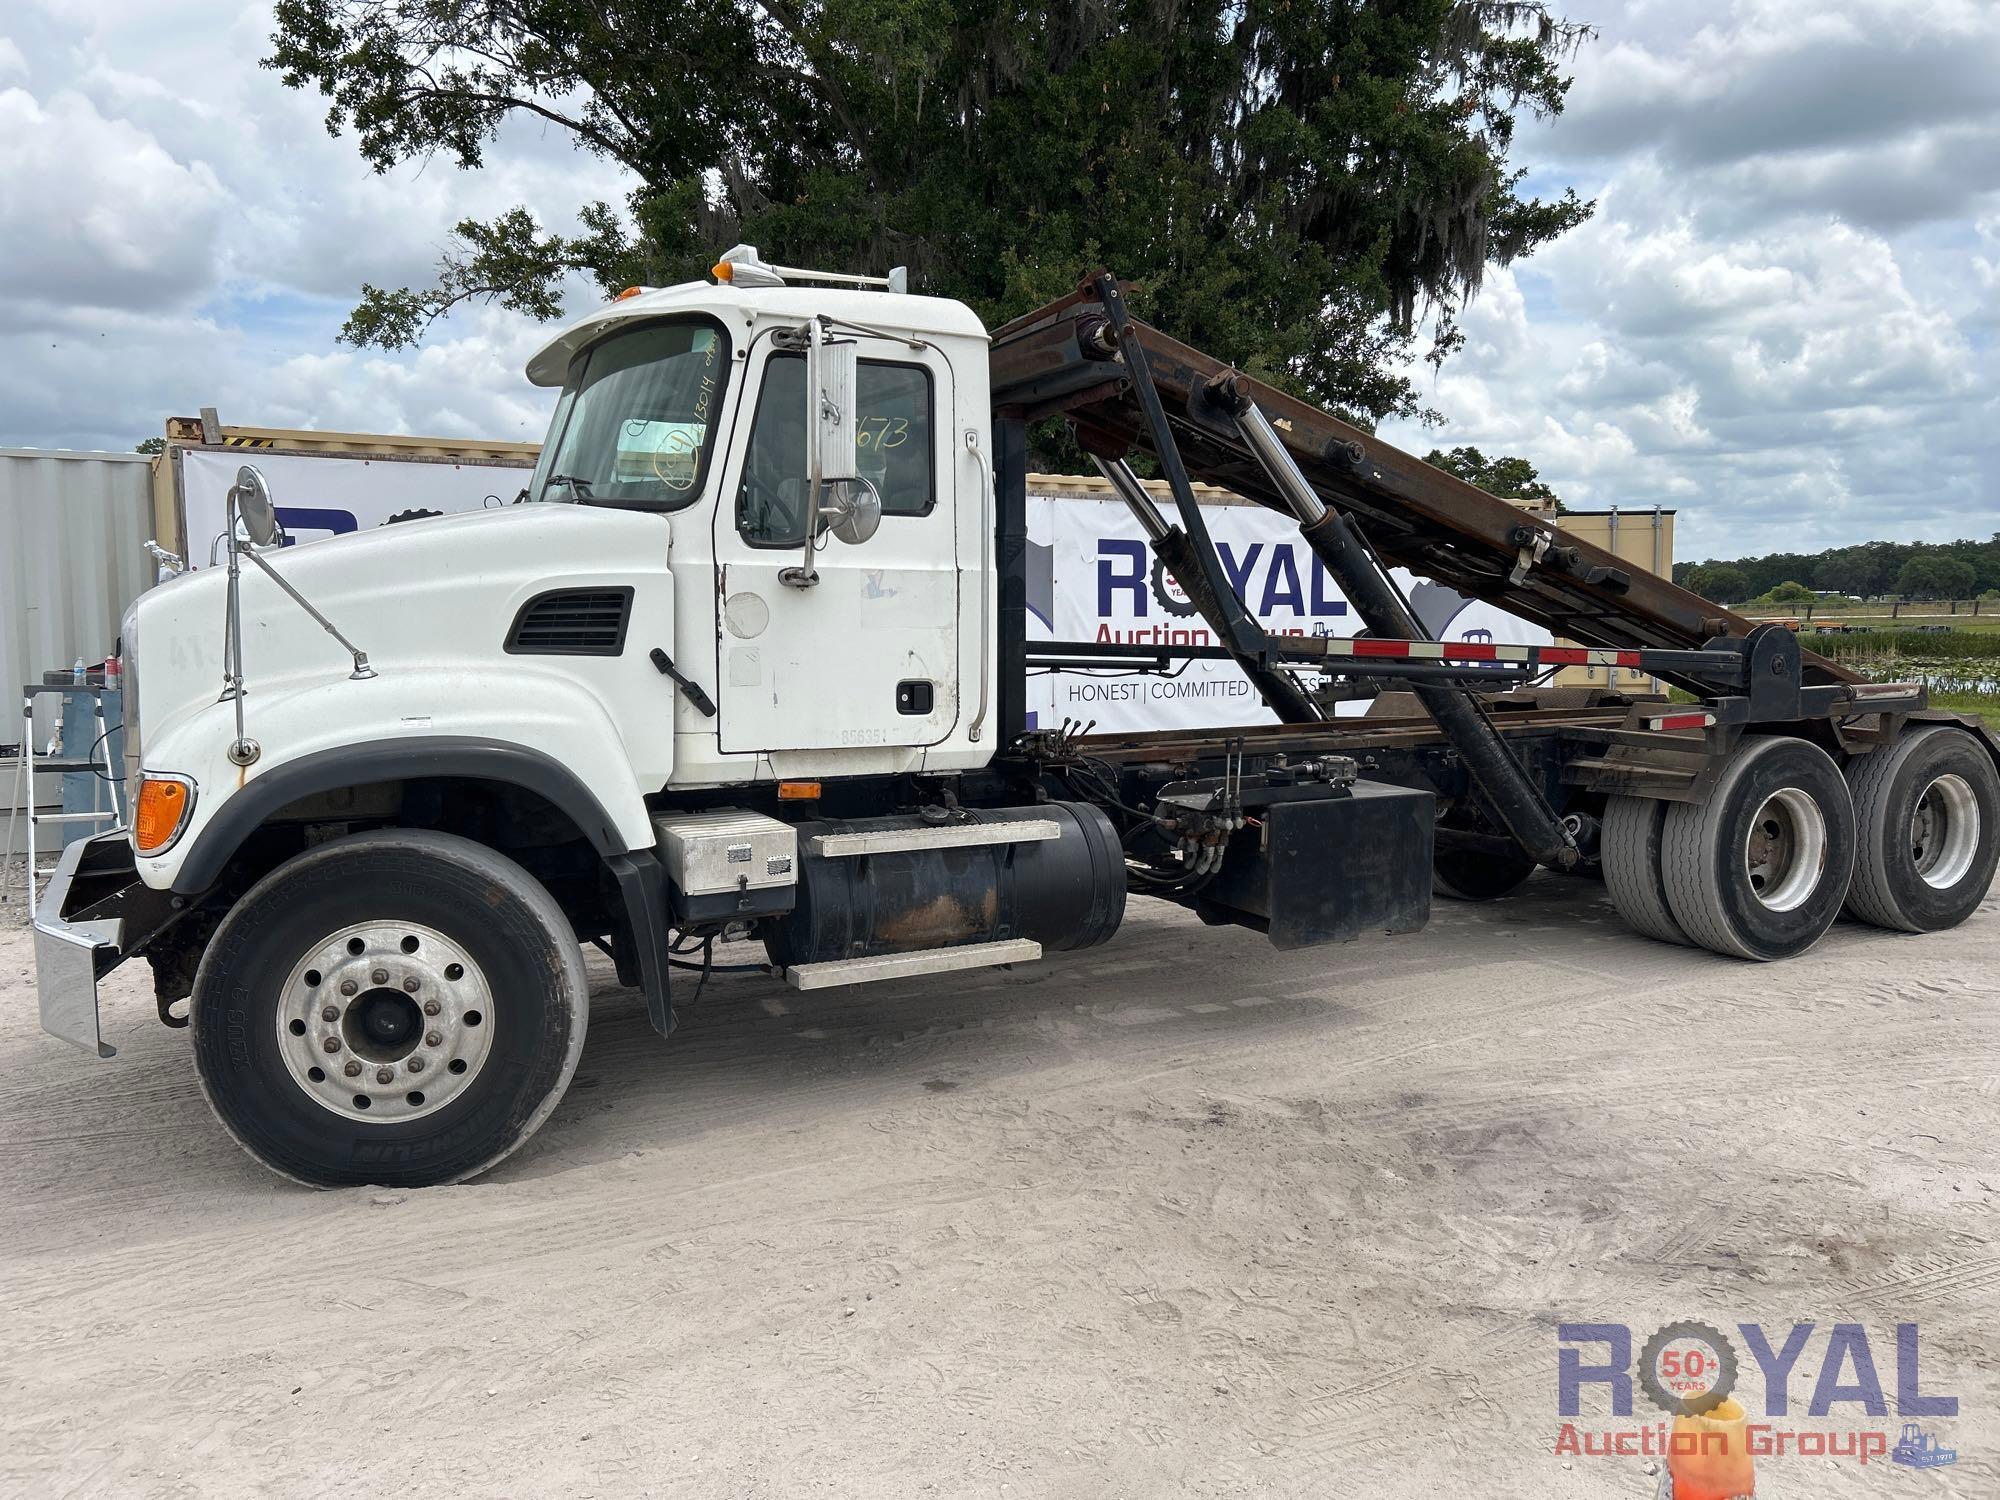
(1182,1215)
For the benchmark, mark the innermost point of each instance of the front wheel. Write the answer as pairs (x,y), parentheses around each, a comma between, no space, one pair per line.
(400,1007)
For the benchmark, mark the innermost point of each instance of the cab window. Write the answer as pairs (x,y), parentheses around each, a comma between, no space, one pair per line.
(892,437)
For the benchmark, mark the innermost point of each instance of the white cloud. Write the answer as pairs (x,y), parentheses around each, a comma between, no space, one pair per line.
(1781,318)
(12,63)
(94,212)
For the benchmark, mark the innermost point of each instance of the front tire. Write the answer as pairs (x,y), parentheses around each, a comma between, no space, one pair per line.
(400,1007)
(1927,812)
(1759,870)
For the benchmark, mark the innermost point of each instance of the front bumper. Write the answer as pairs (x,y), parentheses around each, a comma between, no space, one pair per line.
(94,913)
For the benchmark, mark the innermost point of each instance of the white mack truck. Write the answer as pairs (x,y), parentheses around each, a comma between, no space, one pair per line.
(750,661)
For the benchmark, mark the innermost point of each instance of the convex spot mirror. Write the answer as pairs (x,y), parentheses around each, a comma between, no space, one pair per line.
(254,508)
(853,511)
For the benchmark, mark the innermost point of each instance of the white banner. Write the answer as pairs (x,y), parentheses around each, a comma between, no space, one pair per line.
(321,495)
(1093,578)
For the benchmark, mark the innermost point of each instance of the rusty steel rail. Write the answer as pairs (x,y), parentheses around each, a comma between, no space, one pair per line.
(1063,361)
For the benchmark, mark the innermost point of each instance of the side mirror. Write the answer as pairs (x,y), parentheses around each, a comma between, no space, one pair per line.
(830,393)
(855,512)
(252,494)
(838,497)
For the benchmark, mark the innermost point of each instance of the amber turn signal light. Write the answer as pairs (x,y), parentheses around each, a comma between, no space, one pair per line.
(798,791)
(160,813)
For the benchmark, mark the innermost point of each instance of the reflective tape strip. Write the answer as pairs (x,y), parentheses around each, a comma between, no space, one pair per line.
(1688,719)
(1547,656)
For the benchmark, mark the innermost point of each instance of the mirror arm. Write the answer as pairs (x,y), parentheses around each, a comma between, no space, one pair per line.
(243,750)
(361,670)
(804,576)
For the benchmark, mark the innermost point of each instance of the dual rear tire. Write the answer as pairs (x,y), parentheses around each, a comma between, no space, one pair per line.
(1906,839)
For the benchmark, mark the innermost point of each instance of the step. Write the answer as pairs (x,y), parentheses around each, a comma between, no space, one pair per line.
(944,836)
(839,971)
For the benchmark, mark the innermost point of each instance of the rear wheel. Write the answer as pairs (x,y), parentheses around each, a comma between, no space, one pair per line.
(400,1007)
(1476,875)
(1630,843)
(1927,815)
(1759,870)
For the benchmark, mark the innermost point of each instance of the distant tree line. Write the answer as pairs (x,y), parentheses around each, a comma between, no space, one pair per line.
(1868,570)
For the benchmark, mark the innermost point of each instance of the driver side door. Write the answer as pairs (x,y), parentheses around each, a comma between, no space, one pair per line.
(867,656)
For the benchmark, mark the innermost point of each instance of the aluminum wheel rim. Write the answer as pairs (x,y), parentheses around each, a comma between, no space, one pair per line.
(1944,831)
(395,1014)
(1784,853)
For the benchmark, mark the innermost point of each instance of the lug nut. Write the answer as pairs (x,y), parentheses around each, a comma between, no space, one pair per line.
(433,1039)
(416,1065)
(348,986)
(380,976)
(331,1044)
(329,1013)
(411,984)
(385,1075)
(431,1008)
(353,1068)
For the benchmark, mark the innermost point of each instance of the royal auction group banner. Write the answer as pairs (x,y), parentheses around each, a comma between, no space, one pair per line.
(1092,578)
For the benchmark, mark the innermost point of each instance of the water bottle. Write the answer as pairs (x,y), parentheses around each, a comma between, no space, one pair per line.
(76,672)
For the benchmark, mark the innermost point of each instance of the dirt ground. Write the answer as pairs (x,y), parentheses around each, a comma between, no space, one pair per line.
(1179,1216)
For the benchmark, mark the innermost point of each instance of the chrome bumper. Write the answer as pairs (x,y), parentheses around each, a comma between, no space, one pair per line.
(70,956)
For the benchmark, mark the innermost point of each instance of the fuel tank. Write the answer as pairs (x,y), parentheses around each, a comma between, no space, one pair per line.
(1053,872)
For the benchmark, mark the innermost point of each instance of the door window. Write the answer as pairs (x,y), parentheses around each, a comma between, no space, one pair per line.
(892,439)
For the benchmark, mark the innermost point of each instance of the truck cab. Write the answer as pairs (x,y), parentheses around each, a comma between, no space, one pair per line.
(690,404)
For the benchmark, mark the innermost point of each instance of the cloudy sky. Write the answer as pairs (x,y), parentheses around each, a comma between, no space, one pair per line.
(1782,320)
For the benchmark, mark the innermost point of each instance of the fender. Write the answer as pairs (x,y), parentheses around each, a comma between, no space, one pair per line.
(389,760)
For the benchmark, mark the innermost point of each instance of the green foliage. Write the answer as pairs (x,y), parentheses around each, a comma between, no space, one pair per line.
(1718,581)
(1291,185)
(1951,645)
(1791,593)
(150,445)
(1865,571)
(1508,477)
(1935,575)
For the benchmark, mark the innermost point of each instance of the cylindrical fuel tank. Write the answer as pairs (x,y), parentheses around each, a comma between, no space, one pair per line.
(1064,892)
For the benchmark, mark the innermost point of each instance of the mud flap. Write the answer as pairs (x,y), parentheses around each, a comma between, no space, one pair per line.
(1329,869)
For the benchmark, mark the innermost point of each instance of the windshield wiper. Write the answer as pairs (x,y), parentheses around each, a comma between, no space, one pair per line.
(579,487)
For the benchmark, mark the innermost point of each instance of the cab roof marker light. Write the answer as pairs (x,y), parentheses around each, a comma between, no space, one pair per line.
(742,266)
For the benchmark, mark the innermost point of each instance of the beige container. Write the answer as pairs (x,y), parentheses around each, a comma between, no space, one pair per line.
(1644,541)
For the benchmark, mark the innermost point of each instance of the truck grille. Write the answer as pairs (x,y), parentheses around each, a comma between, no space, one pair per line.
(572,622)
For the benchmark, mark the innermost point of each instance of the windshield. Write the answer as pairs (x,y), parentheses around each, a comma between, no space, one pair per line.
(634,422)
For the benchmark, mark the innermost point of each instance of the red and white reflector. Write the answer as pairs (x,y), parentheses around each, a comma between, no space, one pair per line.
(1690,718)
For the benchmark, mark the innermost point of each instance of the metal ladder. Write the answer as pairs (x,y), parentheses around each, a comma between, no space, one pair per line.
(28,764)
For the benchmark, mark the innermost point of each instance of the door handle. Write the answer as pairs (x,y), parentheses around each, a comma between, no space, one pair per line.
(695,695)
